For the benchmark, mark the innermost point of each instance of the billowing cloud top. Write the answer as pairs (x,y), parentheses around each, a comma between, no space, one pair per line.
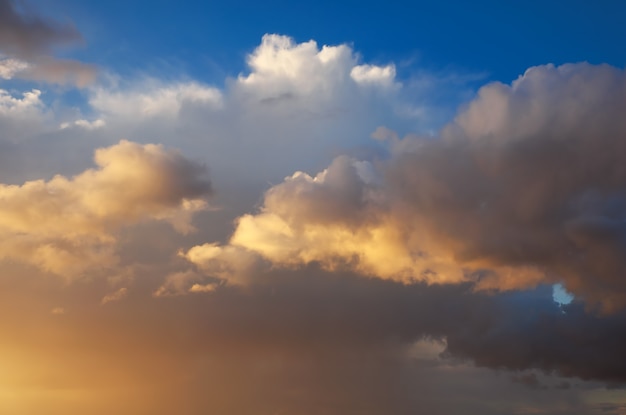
(67,225)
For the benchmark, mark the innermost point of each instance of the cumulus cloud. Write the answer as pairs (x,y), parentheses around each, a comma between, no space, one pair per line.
(67,225)
(280,65)
(524,187)
(19,107)
(374,75)
(309,77)
(294,107)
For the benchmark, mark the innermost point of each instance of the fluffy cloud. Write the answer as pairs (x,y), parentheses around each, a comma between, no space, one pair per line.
(67,225)
(19,108)
(22,116)
(524,187)
(9,67)
(280,66)
(371,74)
(296,105)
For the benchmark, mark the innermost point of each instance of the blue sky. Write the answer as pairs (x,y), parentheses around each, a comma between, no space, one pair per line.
(208,40)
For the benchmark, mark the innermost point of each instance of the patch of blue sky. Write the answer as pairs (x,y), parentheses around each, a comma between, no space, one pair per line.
(561,295)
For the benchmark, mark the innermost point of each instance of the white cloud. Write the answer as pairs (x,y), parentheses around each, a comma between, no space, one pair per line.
(29,104)
(279,65)
(295,107)
(86,124)
(375,75)
(22,116)
(9,67)
(153,99)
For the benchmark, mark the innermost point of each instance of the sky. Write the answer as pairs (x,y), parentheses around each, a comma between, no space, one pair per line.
(274,208)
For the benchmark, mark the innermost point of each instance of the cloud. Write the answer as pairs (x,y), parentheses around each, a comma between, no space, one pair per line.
(21,117)
(29,41)
(374,75)
(294,107)
(9,67)
(67,225)
(115,296)
(16,107)
(59,71)
(312,311)
(524,187)
(153,100)
(301,342)
(279,65)
(178,283)
(27,34)
(523,330)
(88,125)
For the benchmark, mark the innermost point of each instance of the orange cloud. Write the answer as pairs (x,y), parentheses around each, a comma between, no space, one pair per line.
(68,225)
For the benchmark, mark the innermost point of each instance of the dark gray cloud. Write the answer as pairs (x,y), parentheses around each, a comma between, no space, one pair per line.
(310,312)
(32,39)
(26,34)
(519,331)
(532,175)
(312,342)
